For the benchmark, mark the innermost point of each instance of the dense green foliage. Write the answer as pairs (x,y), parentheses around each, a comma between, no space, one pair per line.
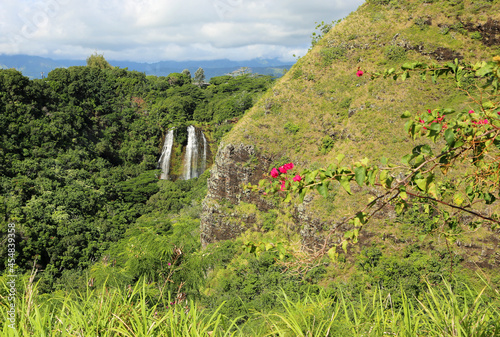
(79,151)
(114,251)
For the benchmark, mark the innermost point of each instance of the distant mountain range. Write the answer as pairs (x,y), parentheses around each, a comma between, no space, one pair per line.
(36,66)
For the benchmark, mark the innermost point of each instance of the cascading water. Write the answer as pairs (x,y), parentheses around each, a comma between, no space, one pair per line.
(195,161)
(166,153)
(191,154)
(195,157)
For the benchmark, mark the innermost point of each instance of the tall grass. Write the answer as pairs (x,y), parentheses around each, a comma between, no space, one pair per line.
(444,311)
(448,310)
(111,312)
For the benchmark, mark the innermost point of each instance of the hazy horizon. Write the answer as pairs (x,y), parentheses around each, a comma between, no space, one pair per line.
(149,31)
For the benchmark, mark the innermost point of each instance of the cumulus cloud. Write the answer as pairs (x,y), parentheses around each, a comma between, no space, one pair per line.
(154,30)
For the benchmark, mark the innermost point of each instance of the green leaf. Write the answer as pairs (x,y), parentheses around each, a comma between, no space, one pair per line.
(372,175)
(383,176)
(383,160)
(449,136)
(421,183)
(360,175)
(488,198)
(399,207)
(436,127)
(340,157)
(458,199)
(406,159)
(406,114)
(344,246)
(323,189)
(332,254)
(311,177)
(302,194)
(447,111)
(419,160)
(344,182)
(432,190)
(426,149)
(485,69)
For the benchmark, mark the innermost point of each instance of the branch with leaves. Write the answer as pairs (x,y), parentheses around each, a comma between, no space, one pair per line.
(470,142)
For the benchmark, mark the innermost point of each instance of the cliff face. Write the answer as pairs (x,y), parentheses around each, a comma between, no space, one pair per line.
(234,167)
(320,108)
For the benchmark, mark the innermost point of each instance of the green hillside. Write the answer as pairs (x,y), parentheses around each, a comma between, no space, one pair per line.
(99,246)
(321,109)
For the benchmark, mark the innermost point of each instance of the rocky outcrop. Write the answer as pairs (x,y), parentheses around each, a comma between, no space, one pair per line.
(235,165)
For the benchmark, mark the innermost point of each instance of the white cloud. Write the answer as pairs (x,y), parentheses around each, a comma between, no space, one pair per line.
(155,30)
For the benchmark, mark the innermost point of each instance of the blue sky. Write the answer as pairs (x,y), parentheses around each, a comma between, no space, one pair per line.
(156,30)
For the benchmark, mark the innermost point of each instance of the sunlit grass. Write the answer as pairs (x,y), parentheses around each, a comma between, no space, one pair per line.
(450,310)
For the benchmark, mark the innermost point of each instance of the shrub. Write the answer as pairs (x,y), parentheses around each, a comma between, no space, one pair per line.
(395,53)
(291,128)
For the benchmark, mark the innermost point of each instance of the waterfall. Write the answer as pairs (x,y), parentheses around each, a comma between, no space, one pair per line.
(166,153)
(195,160)
(191,154)
(204,162)
(195,154)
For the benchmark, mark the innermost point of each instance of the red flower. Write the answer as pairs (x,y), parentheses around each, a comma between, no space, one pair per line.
(274,173)
(297,178)
(429,110)
(288,166)
(359,73)
(471,111)
(283,169)
(282,187)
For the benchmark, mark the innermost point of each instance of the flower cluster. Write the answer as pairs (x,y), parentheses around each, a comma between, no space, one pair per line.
(481,122)
(439,119)
(282,170)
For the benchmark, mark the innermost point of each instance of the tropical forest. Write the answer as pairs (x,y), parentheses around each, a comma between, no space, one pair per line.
(356,195)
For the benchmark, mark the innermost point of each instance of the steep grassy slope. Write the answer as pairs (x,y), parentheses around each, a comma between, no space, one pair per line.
(320,108)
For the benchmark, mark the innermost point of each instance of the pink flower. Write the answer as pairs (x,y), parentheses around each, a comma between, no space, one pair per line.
(421,121)
(288,166)
(282,187)
(297,178)
(471,111)
(283,169)
(274,173)
(429,110)
(359,73)
(169,264)
(498,113)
